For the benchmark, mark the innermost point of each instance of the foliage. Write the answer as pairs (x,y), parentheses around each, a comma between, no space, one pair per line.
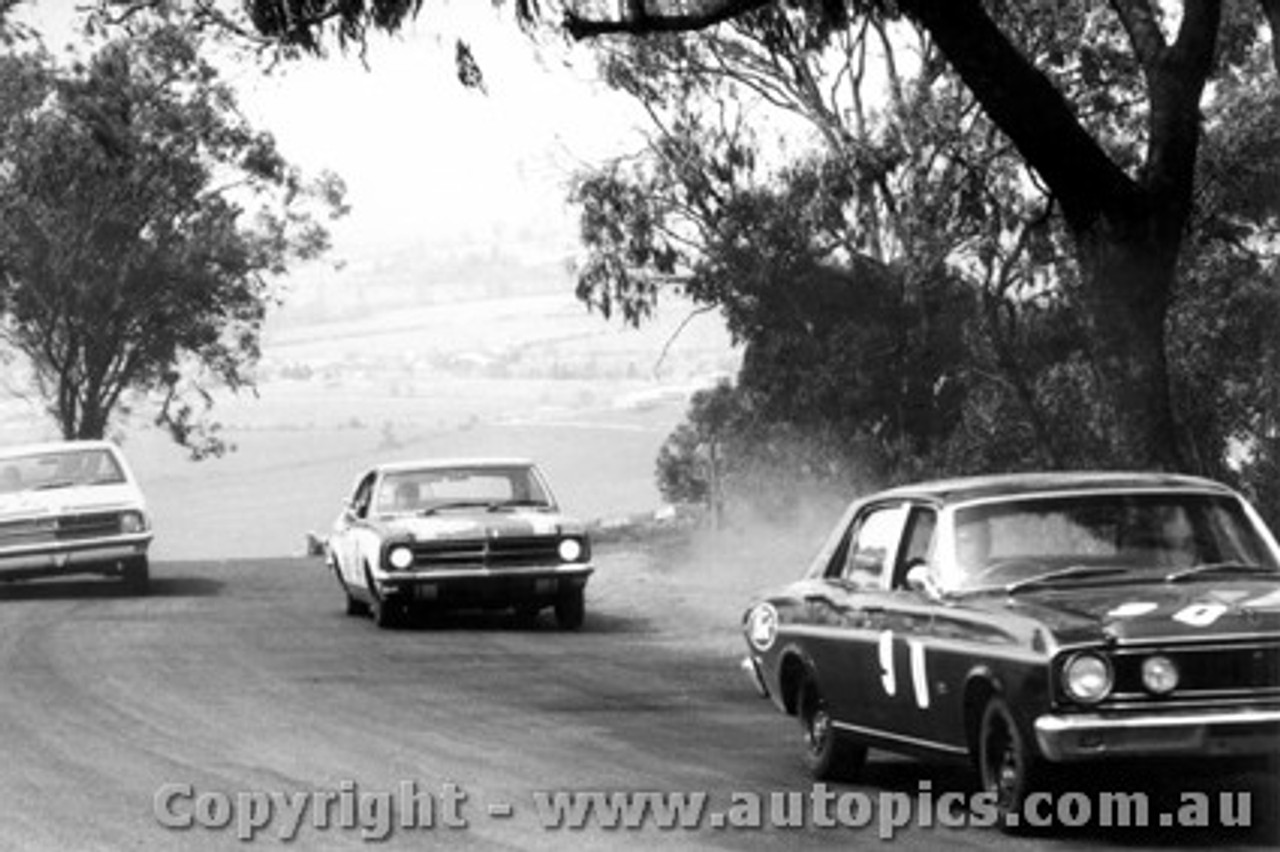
(141,219)
(907,296)
(1100,103)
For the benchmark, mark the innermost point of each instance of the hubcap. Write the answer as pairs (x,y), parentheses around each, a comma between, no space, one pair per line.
(819,730)
(1002,768)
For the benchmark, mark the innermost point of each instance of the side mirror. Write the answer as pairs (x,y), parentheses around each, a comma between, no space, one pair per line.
(920,580)
(315,544)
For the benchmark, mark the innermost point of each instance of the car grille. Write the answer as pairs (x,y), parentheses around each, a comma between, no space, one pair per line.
(59,528)
(1217,671)
(488,553)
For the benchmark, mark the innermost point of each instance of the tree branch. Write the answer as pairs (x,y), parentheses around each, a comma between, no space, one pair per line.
(641,22)
(1139,21)
(1024,103)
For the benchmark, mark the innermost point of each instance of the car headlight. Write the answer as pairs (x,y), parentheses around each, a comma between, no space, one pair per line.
(1159,675)
(570,550)
(132,522)
(400,557)
(762,626)
(1087,678)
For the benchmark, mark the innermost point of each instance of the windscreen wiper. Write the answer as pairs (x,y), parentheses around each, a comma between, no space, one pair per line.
(455,504)
(1214,567)
(1062,574)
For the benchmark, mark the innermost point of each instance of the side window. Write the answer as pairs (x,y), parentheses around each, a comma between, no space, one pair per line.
(872,546)
(919,542)
(363,495)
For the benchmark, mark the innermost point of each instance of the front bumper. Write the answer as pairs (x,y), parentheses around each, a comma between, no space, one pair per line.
(87,556)
(1205,733)
(484,586)
(751,668)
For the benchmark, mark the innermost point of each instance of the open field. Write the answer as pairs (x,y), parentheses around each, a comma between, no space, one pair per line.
(535,376)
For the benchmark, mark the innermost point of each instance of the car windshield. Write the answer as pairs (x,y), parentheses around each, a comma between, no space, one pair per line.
(59,469)
(441,489)
(1108,536)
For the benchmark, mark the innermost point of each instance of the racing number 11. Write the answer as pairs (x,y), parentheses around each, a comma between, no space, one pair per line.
(888,672)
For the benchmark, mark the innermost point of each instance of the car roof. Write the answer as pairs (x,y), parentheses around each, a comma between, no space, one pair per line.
(964,489)
(448,463)
(56,447)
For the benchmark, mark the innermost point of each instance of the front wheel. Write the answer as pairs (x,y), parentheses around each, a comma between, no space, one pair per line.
(1009,767)
(386,614)
(355,606)
(829,755)
(571,609)
(136,574)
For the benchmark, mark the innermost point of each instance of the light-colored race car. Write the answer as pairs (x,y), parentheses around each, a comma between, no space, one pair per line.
(460,534)
(71,507)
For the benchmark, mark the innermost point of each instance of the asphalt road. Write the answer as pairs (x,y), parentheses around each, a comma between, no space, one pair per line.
(233,681)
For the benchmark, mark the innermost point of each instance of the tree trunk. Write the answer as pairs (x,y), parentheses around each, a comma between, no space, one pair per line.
(1127,276)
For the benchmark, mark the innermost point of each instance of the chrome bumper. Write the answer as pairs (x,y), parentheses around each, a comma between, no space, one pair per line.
(751,668)
(70,557)
(520,582)
(1206,733)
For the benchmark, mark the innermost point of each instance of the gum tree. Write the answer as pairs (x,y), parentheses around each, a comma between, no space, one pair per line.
(141,222)
(1127,216)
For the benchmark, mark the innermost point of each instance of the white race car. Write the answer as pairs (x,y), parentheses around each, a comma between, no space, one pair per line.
(71,507)
(469,533)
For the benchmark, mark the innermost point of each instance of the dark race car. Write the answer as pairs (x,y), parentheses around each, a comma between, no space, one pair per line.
(1027,621)
(478,533)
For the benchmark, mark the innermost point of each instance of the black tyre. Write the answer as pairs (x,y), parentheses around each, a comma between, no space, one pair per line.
(386,614)
(571,609)
(526,615)
(829,755)
(1008,765)
(136,574)
(355,606)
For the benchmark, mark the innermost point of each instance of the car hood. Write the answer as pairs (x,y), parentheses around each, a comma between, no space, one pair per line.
(60,501)
(453,525)
(1151,611)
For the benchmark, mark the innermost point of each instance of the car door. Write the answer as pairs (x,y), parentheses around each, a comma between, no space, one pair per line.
(908,676)
(846,609)
(351,521)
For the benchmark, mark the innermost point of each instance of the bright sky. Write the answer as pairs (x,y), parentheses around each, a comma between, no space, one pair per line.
(425,160)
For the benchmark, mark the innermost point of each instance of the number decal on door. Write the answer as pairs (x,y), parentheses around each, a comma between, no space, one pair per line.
(919,680)
(887,677)
(919,673)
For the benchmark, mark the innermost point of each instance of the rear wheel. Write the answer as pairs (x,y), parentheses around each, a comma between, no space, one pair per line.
(136,574)
(571,609)
(829,755)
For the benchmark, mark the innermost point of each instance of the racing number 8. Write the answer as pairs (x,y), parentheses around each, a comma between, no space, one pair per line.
(888,674)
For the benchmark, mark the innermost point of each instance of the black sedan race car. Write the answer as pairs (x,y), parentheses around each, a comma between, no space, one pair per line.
(1027,621)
